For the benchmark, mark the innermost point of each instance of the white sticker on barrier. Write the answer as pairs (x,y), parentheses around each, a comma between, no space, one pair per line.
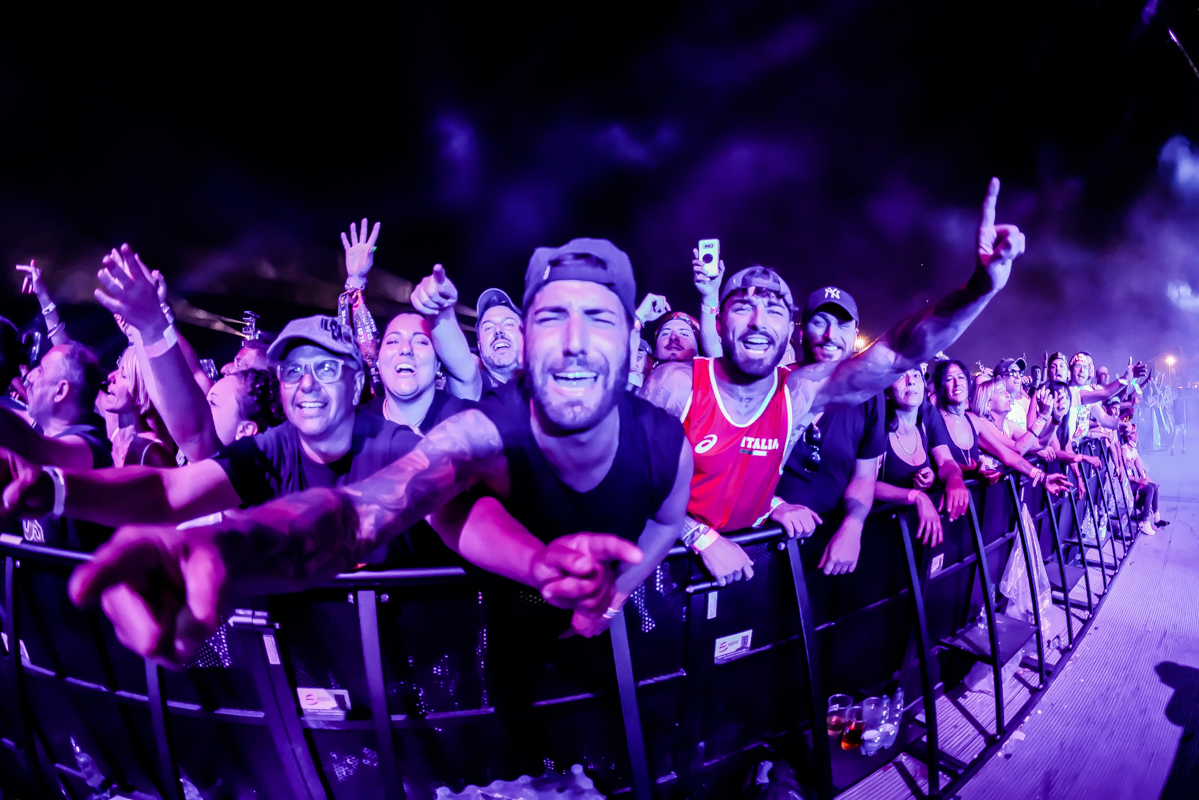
(323,701)
(272,652)
(733,646)
(938,562)
(712,598)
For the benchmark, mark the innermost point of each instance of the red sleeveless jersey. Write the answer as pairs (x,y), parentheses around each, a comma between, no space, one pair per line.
(737,467)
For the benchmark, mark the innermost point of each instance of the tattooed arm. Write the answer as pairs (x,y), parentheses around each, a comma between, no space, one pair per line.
(917,338)
(164,588)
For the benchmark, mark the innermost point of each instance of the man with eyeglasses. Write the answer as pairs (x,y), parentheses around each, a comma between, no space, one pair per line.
(755,323)
(518,486)
(1011,372)
(324,442)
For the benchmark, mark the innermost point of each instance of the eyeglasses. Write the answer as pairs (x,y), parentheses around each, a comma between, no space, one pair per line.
(327,370)
(810,460)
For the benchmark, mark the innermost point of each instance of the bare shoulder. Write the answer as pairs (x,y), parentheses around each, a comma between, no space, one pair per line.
(669,386)
(804,384)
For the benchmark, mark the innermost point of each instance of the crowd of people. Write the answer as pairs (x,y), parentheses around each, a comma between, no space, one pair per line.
(583,430)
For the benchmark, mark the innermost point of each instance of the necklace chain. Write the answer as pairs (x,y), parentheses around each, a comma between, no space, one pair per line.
(902,447)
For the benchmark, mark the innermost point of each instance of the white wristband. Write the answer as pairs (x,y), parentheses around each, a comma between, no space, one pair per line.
(168,340)
(60,490)
(705,541)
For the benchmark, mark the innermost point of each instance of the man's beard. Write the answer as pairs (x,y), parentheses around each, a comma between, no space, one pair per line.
(572,415)
(749,365)
(502,361)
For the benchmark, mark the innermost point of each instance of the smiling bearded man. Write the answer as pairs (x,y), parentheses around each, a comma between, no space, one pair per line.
(743,411)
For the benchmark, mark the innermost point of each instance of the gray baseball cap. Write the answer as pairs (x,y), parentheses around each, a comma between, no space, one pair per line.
(758,277)
(1007,363)
(322,331)
(614,269)
(830,296)
(491,298)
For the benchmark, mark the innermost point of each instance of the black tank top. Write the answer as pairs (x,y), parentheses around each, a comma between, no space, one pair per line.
(639,481)
(964,456)
(898,472)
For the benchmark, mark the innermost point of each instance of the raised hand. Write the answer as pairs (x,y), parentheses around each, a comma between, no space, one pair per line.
(434,294)
(707,285)
(130,292)
(33,284)
(652,308)
(998,245)
(161,587)
(360,253)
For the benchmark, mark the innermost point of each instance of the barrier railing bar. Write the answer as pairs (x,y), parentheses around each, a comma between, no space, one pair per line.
(923,650)
(12,631)
(988,593)
(820,739)
(629,710)
(168,771)
(1032,583)
(252,650)
(372,659)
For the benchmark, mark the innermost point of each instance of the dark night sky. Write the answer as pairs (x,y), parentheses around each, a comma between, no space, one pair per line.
(843,142)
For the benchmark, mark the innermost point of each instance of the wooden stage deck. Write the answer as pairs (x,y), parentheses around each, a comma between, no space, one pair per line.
(1121,720)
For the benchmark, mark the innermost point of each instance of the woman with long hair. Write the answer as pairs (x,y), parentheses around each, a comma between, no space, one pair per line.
(969,438)
(139,434)
(916,440)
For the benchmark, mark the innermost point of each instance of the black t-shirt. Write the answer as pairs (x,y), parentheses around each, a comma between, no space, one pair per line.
(847,434)
(63,532)
(639,481)
(273,464)
(444,406)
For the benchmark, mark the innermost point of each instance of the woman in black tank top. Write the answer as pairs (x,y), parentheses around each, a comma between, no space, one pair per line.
(952,380)
(907,472)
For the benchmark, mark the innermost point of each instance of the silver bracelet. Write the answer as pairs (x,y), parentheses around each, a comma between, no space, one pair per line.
(611,612)
(50,309)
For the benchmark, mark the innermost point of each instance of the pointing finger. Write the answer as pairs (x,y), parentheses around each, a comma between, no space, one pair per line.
(439,274)
(988,219)
(606,547)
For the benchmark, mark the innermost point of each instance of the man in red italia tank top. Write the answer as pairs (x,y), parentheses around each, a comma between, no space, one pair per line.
(743,412)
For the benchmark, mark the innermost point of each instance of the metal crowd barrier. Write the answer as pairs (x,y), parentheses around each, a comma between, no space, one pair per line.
(390,684)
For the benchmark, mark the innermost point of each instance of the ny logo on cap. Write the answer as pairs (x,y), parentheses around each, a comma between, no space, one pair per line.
(829,291)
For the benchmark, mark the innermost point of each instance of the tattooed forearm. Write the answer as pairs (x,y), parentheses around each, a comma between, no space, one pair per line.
(299,540)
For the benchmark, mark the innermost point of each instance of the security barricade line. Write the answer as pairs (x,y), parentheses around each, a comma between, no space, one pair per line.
(412,670)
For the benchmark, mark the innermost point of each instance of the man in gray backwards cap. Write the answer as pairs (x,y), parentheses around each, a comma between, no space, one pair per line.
(562,449)
(744,413)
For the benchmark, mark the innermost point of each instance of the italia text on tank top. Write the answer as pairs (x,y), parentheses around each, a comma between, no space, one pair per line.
(639,481)
(737,467)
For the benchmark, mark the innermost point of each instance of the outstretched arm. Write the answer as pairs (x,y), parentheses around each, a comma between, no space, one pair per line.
(992,442)
(435,297)
(130,289)
(919,337)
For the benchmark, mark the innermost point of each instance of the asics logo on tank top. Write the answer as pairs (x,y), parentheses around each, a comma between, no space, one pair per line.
(705,444)
(755,446)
